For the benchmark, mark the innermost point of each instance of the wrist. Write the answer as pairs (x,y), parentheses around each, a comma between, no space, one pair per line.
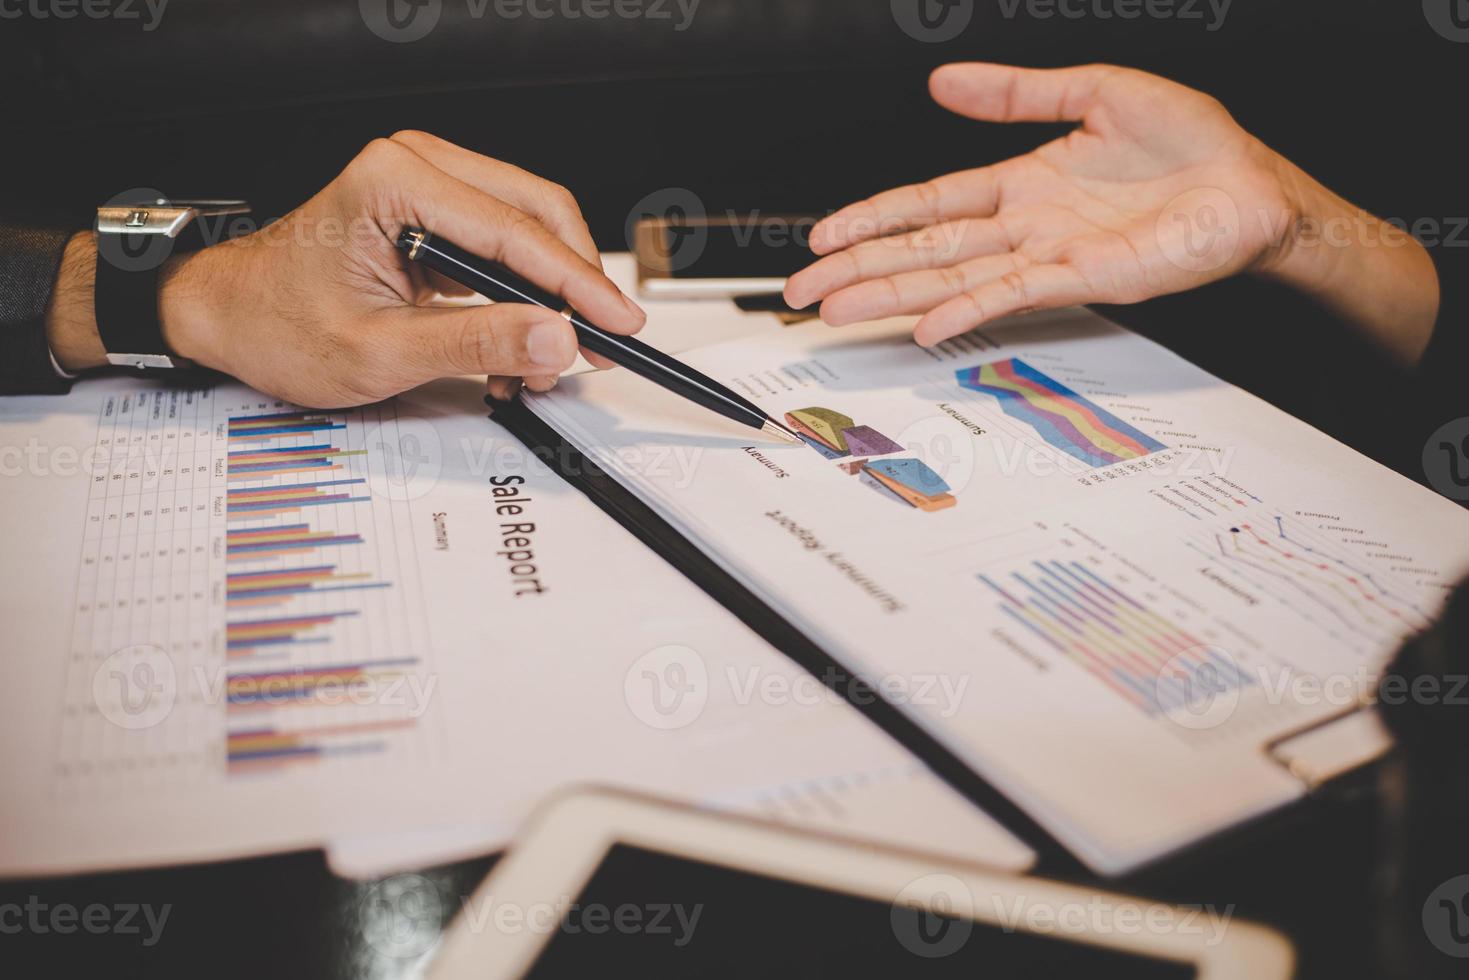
(71,322)
(1294,254)
(1328,243)
(1369,272)
(189,310)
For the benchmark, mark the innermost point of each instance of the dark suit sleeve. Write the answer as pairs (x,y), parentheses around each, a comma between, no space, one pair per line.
(29,260)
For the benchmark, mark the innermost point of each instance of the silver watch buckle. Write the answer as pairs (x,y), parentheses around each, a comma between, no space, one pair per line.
(145,361)
(162,216)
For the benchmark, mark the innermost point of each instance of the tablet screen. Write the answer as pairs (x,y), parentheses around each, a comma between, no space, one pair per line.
(646,913)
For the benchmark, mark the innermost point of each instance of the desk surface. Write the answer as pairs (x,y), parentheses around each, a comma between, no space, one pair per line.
(287,916)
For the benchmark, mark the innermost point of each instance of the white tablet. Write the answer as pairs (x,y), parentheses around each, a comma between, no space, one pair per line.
(613,885)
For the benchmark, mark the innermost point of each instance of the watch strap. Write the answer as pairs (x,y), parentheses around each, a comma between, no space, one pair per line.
(126,301)
(134,240)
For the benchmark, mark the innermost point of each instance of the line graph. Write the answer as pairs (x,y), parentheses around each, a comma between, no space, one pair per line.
(1284,562)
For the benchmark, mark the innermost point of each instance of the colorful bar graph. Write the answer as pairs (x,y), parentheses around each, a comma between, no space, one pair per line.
(1122,642)
(240,587)
(264,463)
(251,427)
(269,747)
(297,685)
(270,520)
(258,543)
(248,637)
(1064,419)
(253,502)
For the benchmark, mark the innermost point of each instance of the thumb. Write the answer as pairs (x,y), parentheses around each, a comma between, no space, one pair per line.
(1004,93)
(514,339)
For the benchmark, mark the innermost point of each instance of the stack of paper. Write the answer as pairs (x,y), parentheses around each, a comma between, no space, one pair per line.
(1139,576)
(237,626)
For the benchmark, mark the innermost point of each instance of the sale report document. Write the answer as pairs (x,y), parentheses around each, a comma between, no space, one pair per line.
(234,626)
(1139,576)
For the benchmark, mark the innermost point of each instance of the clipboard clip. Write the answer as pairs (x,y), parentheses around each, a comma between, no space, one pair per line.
(1325,750)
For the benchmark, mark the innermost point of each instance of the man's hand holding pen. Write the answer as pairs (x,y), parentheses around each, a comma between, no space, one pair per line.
(320,309)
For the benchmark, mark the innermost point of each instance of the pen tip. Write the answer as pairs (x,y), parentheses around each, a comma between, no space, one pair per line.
(774,428)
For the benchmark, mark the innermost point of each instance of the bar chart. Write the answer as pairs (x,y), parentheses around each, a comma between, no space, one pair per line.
(304,554)
(237,542)
(1136,650)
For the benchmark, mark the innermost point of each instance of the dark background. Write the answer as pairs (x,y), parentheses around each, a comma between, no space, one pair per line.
(773,104)
(796,105)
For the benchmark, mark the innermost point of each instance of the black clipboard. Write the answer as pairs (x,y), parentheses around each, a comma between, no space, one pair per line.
(1052,857)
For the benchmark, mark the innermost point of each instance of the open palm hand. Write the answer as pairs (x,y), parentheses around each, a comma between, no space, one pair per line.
(1158,190)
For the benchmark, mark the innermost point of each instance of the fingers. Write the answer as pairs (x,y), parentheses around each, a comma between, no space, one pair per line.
(552,204)
(934,247)
(916,292)
(967,194)
(994,93)
(598,361)
(503,389)
(1036,287)
(407,189)
(505,340)
(1002,93)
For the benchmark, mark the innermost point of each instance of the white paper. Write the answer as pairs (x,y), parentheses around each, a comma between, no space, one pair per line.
(443,670)
(1136,574)
(677,325)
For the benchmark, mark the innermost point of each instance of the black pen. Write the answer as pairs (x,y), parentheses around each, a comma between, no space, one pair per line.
(494,282)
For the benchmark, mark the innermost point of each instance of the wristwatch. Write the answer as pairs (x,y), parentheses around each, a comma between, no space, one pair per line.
(136,235)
